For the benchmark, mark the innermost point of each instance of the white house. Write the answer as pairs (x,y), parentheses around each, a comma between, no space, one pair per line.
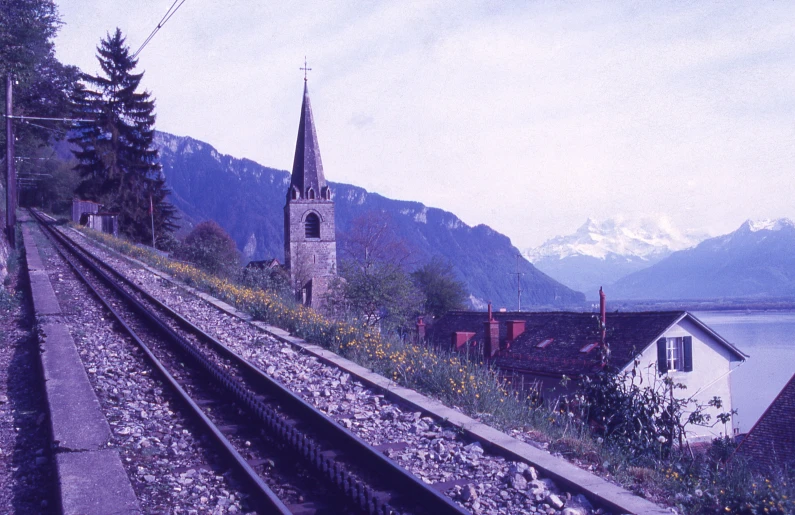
(544,347)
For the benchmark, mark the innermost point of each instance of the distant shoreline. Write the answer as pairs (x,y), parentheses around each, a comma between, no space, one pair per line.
(699,305)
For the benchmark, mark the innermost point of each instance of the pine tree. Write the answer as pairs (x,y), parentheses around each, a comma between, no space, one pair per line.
(117,160)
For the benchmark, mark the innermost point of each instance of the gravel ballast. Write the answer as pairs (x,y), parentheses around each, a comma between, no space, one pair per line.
(171,464)
(479,481)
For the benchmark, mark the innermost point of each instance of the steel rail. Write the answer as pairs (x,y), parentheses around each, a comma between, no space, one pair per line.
(410,487)
(272,503)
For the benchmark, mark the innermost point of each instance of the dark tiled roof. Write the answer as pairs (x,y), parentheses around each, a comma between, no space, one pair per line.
(627,335)
(266,263)
(771,442)
(307,166)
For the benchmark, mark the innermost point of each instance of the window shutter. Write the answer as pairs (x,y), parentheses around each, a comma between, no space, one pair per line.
(662,356)
(688,352)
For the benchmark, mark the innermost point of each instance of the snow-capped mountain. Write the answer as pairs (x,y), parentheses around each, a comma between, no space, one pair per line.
(640,238)
(755,261)
(601,252)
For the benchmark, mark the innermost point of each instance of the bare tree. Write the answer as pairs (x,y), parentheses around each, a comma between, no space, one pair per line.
(372,238)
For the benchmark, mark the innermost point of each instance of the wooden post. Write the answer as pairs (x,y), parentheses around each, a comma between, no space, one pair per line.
(11,176)
(152,215)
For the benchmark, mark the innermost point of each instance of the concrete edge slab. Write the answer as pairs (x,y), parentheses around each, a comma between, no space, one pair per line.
(615,497)
(95,483)
(91,478)
(75,415)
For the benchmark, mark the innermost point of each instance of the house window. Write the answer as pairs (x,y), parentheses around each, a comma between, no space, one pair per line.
(312,226)
(675,354)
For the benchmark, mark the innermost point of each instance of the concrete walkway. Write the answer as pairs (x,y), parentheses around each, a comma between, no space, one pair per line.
(91,478)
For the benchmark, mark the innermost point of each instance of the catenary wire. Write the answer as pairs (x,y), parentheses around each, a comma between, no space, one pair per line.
(171,11)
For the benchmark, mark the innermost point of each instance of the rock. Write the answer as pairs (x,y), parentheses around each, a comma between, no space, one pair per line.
(538,488)
(474,448)
(469,493)
(518,482)
(550,485)
(554,501)
(517,466)
(581,501)
(149,478)
(531,473)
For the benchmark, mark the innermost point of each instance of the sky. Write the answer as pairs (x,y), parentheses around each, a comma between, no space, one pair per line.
(527,116)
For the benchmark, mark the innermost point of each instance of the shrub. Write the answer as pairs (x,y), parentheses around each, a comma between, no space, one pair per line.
(274,280)
(646,421)
(210,248)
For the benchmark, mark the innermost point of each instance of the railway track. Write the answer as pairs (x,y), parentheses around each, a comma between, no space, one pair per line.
(276,441)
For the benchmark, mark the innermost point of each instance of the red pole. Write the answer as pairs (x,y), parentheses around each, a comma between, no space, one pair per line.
(152,214)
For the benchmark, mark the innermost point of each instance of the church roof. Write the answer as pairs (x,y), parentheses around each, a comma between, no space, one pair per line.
(307,166)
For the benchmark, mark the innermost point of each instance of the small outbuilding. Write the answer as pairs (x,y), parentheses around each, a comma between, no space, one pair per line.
(90,214)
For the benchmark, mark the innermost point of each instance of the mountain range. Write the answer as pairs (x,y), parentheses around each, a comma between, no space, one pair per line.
(756,261)
(601,252)
(247,199)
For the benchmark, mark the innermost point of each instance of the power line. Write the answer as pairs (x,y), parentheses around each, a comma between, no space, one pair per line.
(54,130)
(171,11)
(48,119)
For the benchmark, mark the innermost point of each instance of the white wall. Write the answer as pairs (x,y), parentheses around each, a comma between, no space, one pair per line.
(710,377)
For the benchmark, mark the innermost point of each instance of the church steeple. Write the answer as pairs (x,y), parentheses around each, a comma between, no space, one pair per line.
(310,246)
(308,181)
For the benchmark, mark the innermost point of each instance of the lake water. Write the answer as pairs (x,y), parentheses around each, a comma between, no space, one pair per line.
(769,338)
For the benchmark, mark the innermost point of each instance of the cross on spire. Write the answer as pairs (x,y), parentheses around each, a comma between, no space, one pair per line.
(305,69)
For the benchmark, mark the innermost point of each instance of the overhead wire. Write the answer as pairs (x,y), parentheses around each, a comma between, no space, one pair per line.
(171,11)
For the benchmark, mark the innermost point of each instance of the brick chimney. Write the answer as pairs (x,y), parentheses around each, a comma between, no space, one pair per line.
(420,329)
(492,340)
(515,329)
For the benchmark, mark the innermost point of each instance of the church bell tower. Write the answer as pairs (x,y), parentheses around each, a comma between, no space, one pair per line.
(310,247)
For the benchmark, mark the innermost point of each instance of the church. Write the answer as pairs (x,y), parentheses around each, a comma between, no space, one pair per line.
(310,247)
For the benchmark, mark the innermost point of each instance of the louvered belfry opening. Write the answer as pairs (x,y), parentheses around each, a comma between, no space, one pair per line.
(312,226)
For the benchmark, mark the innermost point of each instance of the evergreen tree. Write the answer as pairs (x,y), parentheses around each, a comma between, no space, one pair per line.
(117,160)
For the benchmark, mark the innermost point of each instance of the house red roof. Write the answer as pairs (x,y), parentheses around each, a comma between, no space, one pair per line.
(771,442)
(572,351)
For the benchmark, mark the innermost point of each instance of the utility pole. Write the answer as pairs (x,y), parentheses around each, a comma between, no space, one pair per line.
(11,176)
(518,275)
(152,215)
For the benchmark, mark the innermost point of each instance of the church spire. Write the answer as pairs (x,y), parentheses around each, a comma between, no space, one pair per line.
(307,178)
